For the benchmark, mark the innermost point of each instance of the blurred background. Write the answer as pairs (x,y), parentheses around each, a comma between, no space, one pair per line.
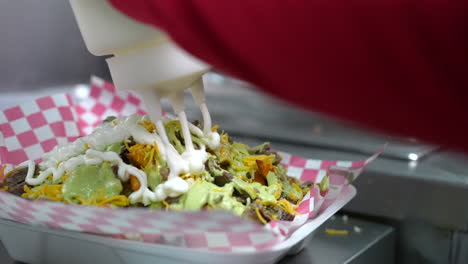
(413,198)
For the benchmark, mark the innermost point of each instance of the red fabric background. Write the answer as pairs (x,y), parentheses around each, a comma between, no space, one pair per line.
(398,66)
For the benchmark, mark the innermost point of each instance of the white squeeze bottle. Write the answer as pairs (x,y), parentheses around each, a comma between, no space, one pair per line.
(143,57)
(145,60)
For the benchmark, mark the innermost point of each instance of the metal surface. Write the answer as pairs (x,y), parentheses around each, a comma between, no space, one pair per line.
(459,249)
(374,244)
(241,110)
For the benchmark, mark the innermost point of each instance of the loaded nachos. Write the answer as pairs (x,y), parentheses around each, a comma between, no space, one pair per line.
(131,162)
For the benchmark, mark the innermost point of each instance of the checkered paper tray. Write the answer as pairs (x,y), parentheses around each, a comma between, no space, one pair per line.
(30,130)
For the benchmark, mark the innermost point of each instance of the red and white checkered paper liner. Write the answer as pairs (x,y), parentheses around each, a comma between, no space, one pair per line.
(30,130)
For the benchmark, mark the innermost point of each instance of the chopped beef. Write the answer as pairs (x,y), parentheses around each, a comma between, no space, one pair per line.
(269,212)
(196,146)
(15,180)
(109,119)
(289,199)
(211,166)
(124,154)
(241,200)
(225,164)
(250,213)
(306,185)
(224,157)
(223,179)
(179,137)
(127,188)
(281,176)
(240,196)
(211,151)
(281,214)
(164,173)
(260,149)
(277,159)
(293,180)
(221,176)
(197,123)
(115,170)
(265,149)
(172,200)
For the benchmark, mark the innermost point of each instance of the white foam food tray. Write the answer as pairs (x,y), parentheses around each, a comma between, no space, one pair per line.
(41,245)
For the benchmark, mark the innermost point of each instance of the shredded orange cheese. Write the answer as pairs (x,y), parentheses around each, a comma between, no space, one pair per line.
(293,196)
(126,145)
(280,189)
(143,155)
(148,125)
(242,177)
(250,189)
(224,154)
(295,186)
(304,191)
(265,203)
(101,200)
(189,176)
(82,201)
(54,193)
(198,180)
(166,205)
(64,178)
(224,139)
(260,164)
(2,172)
(260,217)
(330,231)
(118,200)
(251,161)
(286,206)
(49,192)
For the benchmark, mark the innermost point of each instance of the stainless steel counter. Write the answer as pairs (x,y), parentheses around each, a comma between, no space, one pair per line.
(373,244)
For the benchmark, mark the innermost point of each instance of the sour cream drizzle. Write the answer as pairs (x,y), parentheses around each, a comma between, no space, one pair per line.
(68,156)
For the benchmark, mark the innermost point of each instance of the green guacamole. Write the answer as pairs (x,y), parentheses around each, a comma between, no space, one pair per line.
(91,180)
